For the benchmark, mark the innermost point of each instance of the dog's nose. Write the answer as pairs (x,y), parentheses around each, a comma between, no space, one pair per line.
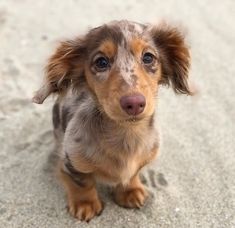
(133,105)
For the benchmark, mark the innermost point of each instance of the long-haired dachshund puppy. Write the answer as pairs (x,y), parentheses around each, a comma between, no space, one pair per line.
(107,84)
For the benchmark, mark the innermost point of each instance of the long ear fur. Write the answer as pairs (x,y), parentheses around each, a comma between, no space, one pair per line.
(66,63)
(174,57)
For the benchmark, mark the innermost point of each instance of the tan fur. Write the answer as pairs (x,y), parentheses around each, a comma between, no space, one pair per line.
(123,171)
(83,202)
(131,196)
(138,45)
(109,48)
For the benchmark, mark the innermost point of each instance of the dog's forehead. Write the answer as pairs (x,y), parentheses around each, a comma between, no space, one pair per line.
(119,32)
(129,28)
(128,31)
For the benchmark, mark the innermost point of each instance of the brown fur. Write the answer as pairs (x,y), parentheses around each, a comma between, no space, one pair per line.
(175,57)
(98,140)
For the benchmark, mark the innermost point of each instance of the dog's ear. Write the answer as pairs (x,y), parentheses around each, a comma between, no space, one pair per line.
(174,56)
(63,66)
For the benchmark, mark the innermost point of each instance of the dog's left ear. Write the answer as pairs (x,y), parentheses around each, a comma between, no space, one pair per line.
(174,56)
(63,69)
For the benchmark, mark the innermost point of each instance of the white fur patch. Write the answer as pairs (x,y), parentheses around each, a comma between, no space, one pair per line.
(125,62)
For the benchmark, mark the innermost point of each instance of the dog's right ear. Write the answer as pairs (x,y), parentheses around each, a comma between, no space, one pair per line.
(62,66)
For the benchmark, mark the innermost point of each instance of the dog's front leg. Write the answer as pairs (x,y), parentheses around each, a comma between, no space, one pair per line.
(132,195)
(83,200)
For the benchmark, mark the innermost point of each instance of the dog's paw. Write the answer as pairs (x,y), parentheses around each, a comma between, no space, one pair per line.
(86,210)
(131,198)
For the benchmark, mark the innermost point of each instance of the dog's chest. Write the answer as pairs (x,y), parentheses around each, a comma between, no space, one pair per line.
(130,169)
(112,153)
(120,169)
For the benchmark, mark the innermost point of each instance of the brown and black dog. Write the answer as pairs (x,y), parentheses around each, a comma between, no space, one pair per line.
(107,84)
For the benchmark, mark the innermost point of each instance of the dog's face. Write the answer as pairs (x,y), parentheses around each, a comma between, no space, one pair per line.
(123,70)
(122,64)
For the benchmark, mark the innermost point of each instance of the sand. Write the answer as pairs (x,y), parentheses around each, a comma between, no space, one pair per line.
(191,183)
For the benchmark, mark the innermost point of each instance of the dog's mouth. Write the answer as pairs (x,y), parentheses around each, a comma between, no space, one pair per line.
(132,120)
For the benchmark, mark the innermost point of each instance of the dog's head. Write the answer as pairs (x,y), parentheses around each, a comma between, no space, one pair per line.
(122,63)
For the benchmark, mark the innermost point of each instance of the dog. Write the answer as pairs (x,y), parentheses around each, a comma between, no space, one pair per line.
(105,126)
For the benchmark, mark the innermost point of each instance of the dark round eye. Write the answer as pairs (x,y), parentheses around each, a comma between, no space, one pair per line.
(102,63)
(148,58)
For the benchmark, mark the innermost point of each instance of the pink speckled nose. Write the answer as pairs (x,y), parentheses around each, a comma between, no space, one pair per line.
(133,105)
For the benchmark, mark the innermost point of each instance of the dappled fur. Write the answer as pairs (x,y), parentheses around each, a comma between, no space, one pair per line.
(97,140)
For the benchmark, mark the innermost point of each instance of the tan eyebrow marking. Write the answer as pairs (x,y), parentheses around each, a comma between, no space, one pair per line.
(137,46)
(109,48)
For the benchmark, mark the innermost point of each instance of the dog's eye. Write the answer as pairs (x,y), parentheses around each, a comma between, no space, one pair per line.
(101,63)
(148,58)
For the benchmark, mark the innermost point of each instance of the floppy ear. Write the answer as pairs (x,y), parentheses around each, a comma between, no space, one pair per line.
(64,66)
(174,57)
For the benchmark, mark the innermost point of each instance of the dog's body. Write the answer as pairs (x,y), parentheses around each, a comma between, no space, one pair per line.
(104,118)
(113,152)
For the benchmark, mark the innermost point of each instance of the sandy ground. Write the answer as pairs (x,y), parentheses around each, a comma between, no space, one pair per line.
(192,181)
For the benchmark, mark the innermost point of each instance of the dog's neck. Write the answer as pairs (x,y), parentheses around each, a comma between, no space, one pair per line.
(127,136)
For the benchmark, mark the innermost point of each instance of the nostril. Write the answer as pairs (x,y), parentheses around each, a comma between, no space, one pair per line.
(129,107)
